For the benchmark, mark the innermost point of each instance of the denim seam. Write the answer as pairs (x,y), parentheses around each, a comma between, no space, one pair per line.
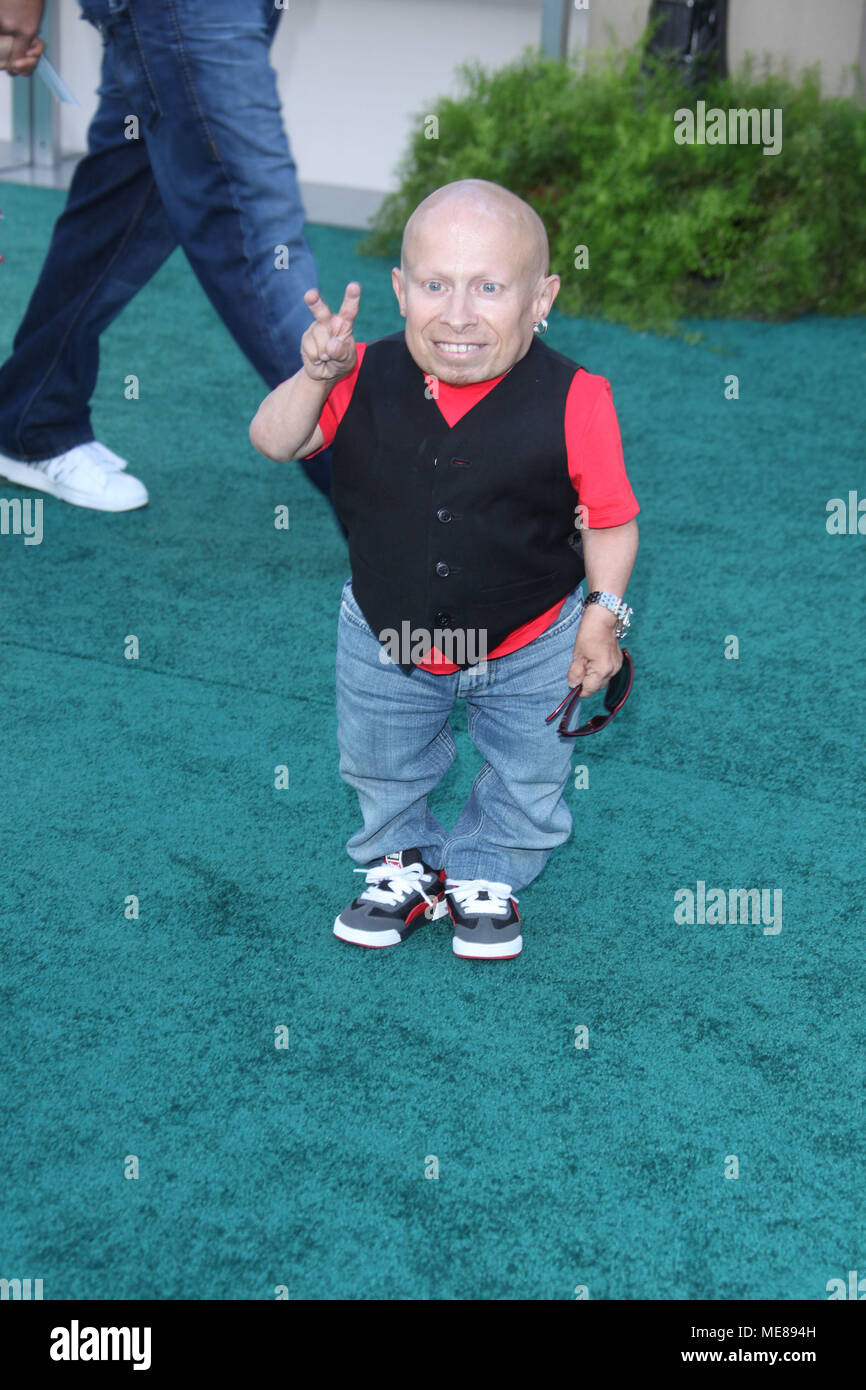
(193,94)
(346,612)
(470,834)
(145,69)
(472,716)
(445,737)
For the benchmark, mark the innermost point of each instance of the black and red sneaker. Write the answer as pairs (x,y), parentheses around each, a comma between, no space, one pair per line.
(402,894)
(485,917)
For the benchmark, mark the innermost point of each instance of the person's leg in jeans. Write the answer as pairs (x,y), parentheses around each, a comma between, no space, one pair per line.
(222,163)
(222,183)
(395,743)
(516,813)
(111,237)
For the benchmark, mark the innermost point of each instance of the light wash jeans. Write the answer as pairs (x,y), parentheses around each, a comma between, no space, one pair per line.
(396,745)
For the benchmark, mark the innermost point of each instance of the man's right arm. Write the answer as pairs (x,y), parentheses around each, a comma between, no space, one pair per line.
(286,424)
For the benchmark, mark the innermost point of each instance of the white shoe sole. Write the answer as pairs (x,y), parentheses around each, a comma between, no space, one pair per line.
(487,950)
(365,938)
(25,475)
(384,938)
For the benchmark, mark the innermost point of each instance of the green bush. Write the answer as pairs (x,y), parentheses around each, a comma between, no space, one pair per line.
(672,231)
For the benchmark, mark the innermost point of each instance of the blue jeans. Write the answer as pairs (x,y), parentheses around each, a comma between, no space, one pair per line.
(396,745)
(211,171)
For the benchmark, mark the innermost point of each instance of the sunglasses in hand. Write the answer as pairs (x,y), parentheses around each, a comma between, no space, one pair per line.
(618,690)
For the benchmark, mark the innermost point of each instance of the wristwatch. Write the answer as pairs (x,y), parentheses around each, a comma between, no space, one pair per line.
(617,606)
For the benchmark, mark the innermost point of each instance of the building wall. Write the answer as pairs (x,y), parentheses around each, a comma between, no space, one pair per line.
(371,64)
(376,66)
(828,32)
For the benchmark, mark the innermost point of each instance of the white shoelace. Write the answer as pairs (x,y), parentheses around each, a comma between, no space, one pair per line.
(466,890)
(81,460)
(402,882)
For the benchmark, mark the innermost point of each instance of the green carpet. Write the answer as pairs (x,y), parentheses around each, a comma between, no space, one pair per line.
(559,1167)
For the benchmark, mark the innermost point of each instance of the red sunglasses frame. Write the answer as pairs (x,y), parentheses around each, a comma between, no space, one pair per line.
(613,702)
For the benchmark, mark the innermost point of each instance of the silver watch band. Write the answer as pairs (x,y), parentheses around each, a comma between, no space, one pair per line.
(616,605)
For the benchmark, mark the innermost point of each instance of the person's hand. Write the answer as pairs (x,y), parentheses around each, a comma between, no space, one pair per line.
(20,49)
(20,67)
(597,655)
(328,347)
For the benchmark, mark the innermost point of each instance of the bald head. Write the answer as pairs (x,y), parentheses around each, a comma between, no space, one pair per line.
(473,281)
(478,198)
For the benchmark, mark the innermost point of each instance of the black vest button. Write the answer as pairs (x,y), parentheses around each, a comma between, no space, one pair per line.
(442,620)
(444,514)
(442,569)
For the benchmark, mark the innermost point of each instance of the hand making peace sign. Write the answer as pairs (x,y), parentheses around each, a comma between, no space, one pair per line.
(328,346)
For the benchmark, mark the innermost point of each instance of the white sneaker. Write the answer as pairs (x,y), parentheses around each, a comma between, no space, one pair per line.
(485,917)
(81,477)
(111,462)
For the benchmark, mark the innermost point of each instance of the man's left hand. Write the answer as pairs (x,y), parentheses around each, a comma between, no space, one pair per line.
(597,655)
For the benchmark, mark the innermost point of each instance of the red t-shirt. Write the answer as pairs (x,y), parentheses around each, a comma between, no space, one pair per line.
(595,465)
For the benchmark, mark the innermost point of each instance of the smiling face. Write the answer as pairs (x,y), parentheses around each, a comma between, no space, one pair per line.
(473,281)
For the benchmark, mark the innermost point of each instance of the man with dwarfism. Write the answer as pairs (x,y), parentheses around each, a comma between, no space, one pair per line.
(463,447)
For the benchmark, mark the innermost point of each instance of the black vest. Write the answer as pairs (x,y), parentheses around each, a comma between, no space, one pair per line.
(470,529)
